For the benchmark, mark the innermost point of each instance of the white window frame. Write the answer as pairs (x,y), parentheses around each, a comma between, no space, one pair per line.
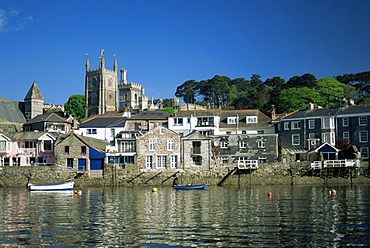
(362,120)
(363,136)
(224,144)
(295,138)
(345,121)
(346,136)
(161,161)
(232,120)
(51,145)
(364,151)
(311,136)
(170,144)
(6,147)
(311,124)
(261,144)
(178,121)
(328,137)
(296,125)
(327,122)
(174,161)
(112,132)
(152,144)
(251,119)
(286,125)
(242,144)
(148,161)
(223,159)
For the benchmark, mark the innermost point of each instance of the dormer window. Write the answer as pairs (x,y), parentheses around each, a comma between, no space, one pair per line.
(178,121)
(251,119)
(232,120)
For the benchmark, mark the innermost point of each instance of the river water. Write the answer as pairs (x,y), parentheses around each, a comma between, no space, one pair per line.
(295,216)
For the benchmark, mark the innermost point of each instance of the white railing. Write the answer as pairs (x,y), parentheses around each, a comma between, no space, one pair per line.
(335,163)
(248,164)
(26,151)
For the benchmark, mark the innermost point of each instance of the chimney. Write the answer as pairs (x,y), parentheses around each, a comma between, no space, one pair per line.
(311,106)
(351,102)
(344,103)
(123,76)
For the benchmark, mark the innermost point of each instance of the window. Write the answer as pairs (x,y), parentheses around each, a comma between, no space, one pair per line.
(346,136)
(345,122)
(70,162)
(363,136)
(286,125)
(197,160)
(83,149)
(262,159)
(205,121)
(48,145)
(112,132)
(196,147)
(4,146)
(28,144)
(174,162)
(232,120)
(251,119)
(364,151)
(242,144)
(161,162)
(328,137)
(178,121)
(152,143)
(16,161)
(260,131)
(295,139)
(170,144)
(66,149)
(138,126)
(311,124)
(128,146)
(224,160)
(244,132)
(311,135)
(149,162)
(327,123)
(261,144)
(91,131)
(296,124)
(224,144)
(362,120)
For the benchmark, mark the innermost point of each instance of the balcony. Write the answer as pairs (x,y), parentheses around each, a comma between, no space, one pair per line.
(327,164)
(26,151)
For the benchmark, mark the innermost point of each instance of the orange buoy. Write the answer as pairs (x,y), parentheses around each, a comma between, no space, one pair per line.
(269,194)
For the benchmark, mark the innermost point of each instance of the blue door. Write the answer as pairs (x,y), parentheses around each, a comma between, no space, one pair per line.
(82,164)
(96,164)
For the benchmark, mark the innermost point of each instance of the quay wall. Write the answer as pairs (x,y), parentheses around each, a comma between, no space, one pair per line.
(277,173)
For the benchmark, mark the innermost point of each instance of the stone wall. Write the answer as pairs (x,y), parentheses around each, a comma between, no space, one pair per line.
(266,174)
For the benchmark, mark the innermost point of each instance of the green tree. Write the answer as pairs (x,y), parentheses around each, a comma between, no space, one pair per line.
(306,80)
(292,99)
(215,90)
(75,106)
(361,82)
(188,91)
(332,91)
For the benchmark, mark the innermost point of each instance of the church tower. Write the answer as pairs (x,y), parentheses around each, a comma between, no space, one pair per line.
(33,102)
(101,88)
(131,94)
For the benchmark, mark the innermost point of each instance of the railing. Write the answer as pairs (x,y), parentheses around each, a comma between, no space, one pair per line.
(248,164)
(335,164)
(26,151)
(40,164)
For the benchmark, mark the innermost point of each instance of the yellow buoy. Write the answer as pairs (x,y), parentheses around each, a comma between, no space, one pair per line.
(154,190)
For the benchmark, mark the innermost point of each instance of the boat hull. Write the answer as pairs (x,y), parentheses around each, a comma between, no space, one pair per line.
(203,186)
(51,187)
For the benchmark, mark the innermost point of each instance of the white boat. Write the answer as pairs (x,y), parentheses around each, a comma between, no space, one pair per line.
(51,187)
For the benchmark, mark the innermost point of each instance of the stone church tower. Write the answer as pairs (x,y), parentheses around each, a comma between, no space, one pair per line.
(132,95)
(101,88)
(33,102)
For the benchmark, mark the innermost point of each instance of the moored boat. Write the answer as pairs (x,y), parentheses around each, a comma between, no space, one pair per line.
(202,186)
(51,187)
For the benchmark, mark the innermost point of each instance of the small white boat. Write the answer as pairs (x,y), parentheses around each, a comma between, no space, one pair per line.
(51,187)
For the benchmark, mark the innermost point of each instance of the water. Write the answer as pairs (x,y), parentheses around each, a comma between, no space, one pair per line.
(295,216)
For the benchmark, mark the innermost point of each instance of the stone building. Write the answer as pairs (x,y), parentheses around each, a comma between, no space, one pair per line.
(33,102)
(160,150)
(48,122)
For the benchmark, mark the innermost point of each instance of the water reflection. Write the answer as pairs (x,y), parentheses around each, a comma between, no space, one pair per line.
(219,216)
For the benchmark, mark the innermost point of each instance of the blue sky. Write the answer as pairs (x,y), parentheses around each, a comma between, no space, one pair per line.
(162,44)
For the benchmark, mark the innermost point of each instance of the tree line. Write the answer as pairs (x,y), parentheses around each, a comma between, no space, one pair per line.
(285,96)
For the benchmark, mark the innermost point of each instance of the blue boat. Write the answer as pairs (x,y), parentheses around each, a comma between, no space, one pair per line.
(202,186)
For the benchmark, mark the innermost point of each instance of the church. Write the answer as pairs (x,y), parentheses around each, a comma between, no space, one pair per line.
(103,93)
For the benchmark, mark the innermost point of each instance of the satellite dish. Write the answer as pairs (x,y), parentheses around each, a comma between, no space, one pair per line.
(216,143)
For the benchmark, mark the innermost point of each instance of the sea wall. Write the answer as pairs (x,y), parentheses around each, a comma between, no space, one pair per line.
(267,174)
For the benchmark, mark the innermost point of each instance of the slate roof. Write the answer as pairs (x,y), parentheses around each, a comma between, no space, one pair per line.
(322,112)
(208,112)
(262,119)
(34,93)
(26,136)
(11,111)
(150,115)
(104,121)
(52,117)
